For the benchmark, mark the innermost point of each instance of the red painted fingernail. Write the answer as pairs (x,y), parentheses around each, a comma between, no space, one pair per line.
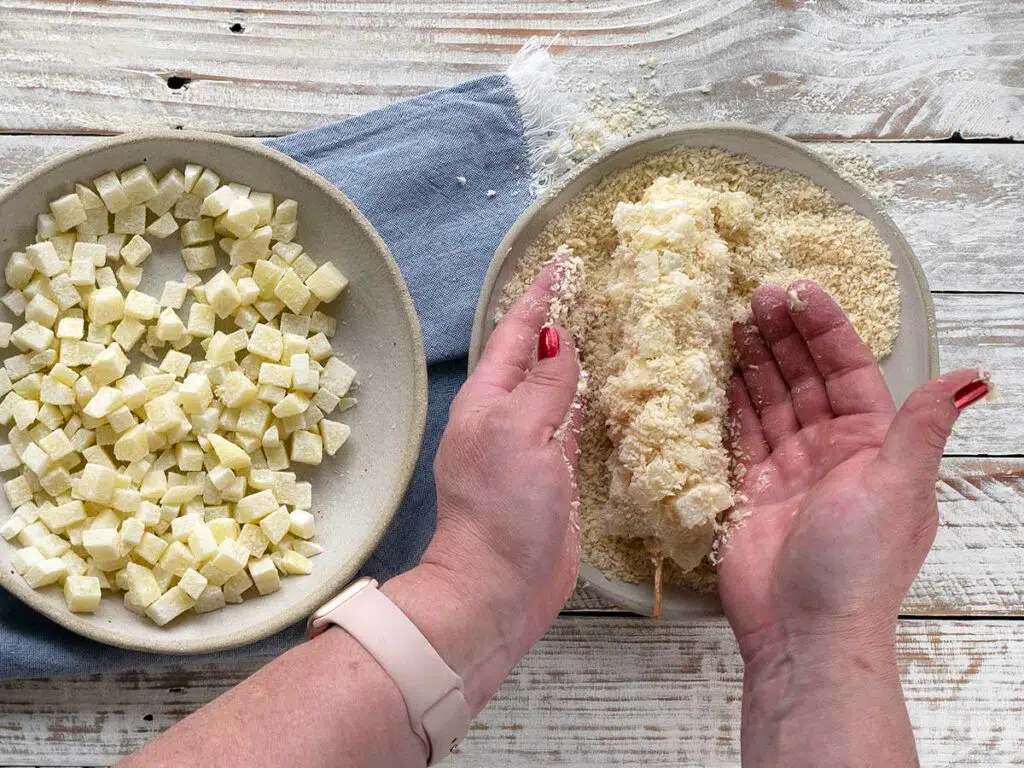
(970,393)
(547,344)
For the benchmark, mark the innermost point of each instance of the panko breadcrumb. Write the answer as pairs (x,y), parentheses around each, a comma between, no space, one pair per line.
(797,230)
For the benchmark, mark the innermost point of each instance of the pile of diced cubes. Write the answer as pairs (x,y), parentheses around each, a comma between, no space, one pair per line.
(169,483)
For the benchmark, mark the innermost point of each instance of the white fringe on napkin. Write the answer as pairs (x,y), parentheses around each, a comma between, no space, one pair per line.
(548,113)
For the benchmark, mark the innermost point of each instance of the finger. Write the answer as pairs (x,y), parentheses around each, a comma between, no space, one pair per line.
(767,388)
(806,385)
(853,379)
(745,433)
(510,351)
(570,435)
(918,433)
(547,392)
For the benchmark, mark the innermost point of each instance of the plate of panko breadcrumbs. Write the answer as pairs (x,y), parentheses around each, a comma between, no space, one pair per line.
(661,241)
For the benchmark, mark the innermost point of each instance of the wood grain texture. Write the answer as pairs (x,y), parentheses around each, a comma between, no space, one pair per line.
(851,69)
(959,205)
(595,691)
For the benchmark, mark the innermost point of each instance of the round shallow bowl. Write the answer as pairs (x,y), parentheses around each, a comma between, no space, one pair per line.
(355,494)
(915,355)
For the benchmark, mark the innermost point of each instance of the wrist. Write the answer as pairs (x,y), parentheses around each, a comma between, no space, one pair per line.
(843,684)
(460,623)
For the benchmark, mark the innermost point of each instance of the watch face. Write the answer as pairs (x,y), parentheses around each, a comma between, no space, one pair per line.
(348,593)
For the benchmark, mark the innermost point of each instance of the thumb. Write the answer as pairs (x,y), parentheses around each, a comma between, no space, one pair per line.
(917,435)
(550,385)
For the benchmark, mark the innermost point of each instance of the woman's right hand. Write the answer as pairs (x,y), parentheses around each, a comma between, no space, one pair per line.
(839,509)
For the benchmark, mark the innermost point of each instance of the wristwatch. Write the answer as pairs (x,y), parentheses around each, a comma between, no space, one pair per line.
(433,693)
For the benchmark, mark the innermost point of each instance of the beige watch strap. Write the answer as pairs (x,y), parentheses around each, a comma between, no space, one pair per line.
(433,693)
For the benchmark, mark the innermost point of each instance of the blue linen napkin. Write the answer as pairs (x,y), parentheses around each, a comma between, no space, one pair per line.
(421,171)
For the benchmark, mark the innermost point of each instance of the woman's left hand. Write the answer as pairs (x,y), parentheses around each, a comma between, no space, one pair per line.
(507,539)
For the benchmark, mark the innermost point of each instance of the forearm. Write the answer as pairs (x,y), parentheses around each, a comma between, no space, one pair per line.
(819,702)
(328,704)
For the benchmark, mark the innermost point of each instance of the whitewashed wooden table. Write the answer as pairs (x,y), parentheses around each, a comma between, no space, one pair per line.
(886,84)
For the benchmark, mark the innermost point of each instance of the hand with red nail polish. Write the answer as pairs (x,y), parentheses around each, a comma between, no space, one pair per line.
(508,528)
(839,514)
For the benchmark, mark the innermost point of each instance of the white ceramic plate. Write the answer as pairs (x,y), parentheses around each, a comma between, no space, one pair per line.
(355,494)
(915,356)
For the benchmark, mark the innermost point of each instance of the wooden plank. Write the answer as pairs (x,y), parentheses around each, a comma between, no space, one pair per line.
(852,70)
(595,691)
(958,204)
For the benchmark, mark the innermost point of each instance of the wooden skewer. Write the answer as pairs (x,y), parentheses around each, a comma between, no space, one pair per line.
(659,583)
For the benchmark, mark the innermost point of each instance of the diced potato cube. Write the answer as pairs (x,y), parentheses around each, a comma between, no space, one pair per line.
(175,362)
(291,562)
(193,583)
(189,457)
(173,295)
(275,375)
(202,543)
(236,390)
(254,248)
(265,576)
(200,257)
(284,233)
(253,539)
(133,445)
(294,404)
(82,593)
(97,222)
(304,267)
(130,220)
(15,301)
(163,227)
(168,192)
(256,506)
(170,605)
(327,282)
(113,243)
(326,400)
(187,207)
(136,251)
(230,455)
(276,524)
(176,495)
(236,586)
(44,257)
(306,548)
(106,305)
(241,217)
(222,294)
(266,341)
(104,544)
(151,548)
(33,336)
(56,444)
(307,448)
(71,328)
(212,599)
(201,320)
(128,332)
(337,377)
(229,559)
(163,412)
(61,517)
(109,366)
(133,529)
(24,558)
(138,184)
(292,291)
(223,527)
(177,558)
(68,212)
(103,402)
(197,232)
(286,212)
(45,572)
(169,326)
(218,201)
(142,584)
